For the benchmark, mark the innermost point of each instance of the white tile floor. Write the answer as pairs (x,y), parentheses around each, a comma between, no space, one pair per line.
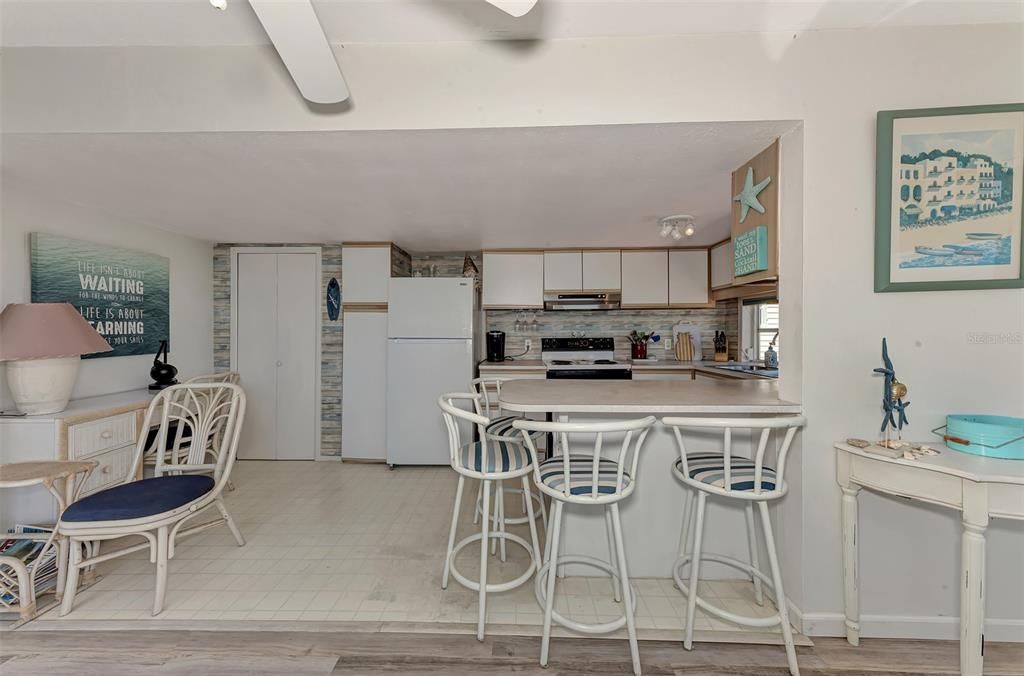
(358,542)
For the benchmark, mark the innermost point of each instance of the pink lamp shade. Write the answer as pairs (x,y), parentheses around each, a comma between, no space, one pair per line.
(46,330)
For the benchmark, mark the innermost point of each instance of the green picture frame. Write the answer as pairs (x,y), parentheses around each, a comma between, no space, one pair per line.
(886,192)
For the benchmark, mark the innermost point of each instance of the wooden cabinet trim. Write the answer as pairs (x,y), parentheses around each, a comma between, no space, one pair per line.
(514,307)
(364,307)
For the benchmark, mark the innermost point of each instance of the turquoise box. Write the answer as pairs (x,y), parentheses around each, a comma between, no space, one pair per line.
(750,251)
(993,436)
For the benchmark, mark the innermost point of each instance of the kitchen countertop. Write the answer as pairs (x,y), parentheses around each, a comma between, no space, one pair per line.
(663,364)
(644,396)
(515,365)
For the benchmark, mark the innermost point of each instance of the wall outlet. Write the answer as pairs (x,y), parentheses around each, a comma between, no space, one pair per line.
(668,343)
(527,344)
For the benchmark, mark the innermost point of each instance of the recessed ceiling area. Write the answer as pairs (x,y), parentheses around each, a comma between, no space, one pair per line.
(432,190)
(64,23)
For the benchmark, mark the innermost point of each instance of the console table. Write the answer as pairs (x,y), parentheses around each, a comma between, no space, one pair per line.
(100,429)
(979,488)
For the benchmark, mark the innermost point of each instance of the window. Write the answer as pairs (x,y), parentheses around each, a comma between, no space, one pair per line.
(917,193)
(767,323)
(904,192)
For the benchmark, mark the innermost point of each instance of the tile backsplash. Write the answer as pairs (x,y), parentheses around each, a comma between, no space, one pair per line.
(617,324)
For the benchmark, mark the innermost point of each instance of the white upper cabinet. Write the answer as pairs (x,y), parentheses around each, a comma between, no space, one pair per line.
(513,279)
(688,277)
(721,265)
(602,270)
(365,273)
(563,271)
(645,278)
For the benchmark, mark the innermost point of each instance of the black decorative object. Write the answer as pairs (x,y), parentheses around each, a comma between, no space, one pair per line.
(162,373)
(333,299)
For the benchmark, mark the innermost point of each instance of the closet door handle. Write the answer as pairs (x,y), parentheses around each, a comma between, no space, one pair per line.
(279,364)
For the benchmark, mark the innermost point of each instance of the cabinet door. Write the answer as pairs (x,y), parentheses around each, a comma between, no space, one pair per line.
(645,278)
(563,271)
(602,270)
(365,273)
(513,280)
(721,265)
(688,278)
(364,386)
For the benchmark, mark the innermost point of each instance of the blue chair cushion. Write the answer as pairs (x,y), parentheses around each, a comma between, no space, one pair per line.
(709,468)
(172,433)
(139,499)
(581,475)
(500,456)
(503,427)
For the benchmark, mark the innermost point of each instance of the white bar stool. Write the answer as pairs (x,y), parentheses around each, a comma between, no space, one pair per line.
(745,480)
(489,461)
(588,479)
(500,429)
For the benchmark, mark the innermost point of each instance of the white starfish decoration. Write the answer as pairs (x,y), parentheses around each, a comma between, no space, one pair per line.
(748,196)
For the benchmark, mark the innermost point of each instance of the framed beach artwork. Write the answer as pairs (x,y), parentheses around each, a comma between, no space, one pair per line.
(948,200)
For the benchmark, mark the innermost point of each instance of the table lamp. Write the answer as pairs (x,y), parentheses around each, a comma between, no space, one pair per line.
(42,344)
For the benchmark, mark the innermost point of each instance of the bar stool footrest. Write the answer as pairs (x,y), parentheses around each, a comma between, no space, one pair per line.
(569,623)
(683,561)
(474,585)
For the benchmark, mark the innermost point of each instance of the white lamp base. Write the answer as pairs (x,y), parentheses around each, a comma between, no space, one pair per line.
(40,386)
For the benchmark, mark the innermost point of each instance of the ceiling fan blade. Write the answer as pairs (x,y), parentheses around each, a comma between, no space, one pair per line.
(516,8)
(299,38)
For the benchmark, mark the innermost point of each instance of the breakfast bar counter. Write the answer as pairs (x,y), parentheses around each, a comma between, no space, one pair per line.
(652,515)
(645,397)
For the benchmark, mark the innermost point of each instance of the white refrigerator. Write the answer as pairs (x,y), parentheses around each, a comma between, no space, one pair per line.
(432,325)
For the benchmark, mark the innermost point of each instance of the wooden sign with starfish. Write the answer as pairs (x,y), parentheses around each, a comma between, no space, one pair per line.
(755,204)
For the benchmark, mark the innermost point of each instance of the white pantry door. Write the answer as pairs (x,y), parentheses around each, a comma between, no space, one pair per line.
(297,306)
(276,301)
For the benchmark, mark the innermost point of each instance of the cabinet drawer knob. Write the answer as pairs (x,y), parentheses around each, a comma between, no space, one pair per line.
(105,469)
(107,434)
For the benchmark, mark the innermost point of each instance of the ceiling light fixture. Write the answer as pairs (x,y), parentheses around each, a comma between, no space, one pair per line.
(677,227)
(219,4)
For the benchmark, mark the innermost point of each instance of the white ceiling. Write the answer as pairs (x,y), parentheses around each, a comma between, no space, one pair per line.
(431,190)
(194,22)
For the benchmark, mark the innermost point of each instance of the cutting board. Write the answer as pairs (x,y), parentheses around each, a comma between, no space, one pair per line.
(683,331)
(684,347)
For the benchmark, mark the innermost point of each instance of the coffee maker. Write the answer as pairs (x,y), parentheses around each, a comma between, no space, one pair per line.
(495,346)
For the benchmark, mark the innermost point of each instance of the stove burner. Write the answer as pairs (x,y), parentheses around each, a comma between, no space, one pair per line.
(604,361)
(561,362)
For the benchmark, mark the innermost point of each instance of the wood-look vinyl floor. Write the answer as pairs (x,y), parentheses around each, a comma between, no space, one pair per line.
(230,653)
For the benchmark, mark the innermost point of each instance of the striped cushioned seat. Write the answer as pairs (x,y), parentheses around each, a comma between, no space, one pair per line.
(709,468)
(503,427)
(500,456)
(581,477)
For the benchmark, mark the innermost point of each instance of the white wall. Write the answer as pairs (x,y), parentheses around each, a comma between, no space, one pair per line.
(25,209)
(834,81)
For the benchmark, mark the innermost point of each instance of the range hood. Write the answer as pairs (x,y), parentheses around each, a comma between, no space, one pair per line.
(582,301)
